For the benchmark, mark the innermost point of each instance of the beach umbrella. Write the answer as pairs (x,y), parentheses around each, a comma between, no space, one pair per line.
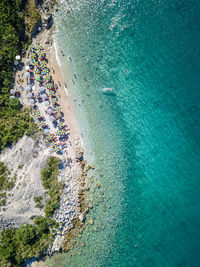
(57,108)
(53,144)
(46,131)
(32,101)
(43,63)
(33,61)
(45,71)
(12,97)
(50,136)
(28,88)
(49,110)
(41,53)
(21,88)
(36,94)
(44,96)
(38,114)
(51,118)
(27,68)
(46,103)
(56,149)
(31,47)
(27,74)
(58,115)
(39,47)
(36,71)
(35,107)
(47,77)
(33,87)
(12,91)
(54,100)
(27,61)
(29,95)
(62,132)
(60,124)
(58,132)
(37,78)
(42,123)
(17,57)
(15,62)
(51,93)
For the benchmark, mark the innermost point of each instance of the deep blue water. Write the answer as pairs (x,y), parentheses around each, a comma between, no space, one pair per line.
(148,130)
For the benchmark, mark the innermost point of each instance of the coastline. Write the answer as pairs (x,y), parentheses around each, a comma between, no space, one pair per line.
(74,174)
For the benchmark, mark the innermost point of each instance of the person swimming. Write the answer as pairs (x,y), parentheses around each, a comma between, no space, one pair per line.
(107,89)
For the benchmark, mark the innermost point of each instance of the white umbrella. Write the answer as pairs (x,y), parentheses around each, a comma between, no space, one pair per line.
(46,103)
(51,118)
(49,110)
(44,96)
(33,87)
(27,74)
(32,101)
(12,91)
(12,97)
(27,67)
(18,57)
(29,95)
(21,88)
(28,88)
(46,131)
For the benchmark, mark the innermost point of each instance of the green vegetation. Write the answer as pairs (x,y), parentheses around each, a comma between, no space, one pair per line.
(14,121)
(6,183)
(51,184)
(38,202)
(32,17)
(18,245)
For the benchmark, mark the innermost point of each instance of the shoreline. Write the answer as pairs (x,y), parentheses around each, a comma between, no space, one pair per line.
(74,176)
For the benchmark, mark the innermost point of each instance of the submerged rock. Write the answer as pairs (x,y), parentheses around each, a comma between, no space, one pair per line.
(98,185)
(91,221)
(81,217)
(83,244)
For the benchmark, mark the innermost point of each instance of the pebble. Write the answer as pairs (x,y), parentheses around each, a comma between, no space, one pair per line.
(83,244)
(91,221)
(98,185)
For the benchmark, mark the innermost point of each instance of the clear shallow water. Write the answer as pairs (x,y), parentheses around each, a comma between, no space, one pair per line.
(144,137)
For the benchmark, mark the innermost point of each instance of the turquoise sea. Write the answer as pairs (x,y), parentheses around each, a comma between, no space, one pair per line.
(144,137)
